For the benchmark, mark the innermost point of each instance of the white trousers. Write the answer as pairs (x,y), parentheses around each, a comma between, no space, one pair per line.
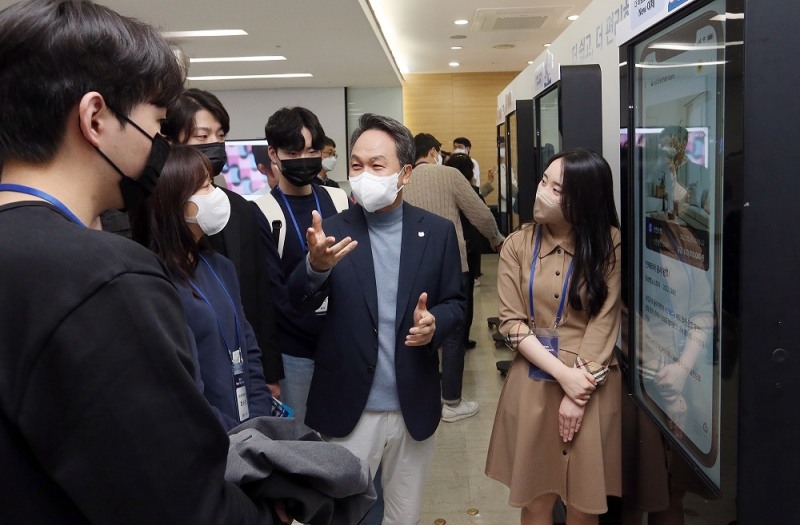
(381,438)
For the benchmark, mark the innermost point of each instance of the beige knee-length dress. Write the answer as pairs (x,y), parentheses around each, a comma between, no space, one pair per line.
(526,452)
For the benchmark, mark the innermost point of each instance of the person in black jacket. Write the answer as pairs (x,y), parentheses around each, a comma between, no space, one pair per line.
(199,119)
(100,417)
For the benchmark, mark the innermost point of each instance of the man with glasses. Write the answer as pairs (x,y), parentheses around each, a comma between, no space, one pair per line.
(329,157)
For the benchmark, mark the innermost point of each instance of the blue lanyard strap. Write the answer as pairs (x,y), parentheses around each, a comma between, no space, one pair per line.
(44,196)
(300,236)
(233,307)
(537,245)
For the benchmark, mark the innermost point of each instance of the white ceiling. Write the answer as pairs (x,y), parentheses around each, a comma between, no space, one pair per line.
(343,43)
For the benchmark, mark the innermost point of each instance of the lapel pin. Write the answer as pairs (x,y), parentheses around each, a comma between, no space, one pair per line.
(421,234)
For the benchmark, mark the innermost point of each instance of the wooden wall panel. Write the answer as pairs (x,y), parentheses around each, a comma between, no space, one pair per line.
(454,105)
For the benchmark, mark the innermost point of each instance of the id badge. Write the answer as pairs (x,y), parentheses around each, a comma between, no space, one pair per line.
(323,308)
(548,337)
(237,362)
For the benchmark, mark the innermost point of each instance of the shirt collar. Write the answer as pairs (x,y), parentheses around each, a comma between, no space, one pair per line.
(549,244)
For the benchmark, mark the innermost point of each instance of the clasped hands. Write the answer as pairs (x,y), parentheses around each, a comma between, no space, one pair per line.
(578,386)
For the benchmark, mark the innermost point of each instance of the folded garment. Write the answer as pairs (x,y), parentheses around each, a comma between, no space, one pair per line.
(320,483)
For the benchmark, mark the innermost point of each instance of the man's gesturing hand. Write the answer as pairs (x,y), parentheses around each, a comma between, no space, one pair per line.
(324,252)
(424,324)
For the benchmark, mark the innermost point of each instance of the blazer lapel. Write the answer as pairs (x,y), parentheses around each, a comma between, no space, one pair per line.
(412,250)
(361,259)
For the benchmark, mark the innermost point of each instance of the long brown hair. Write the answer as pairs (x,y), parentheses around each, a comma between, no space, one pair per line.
(159,224)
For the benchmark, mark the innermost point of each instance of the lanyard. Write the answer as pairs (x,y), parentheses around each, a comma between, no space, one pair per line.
(44,196)
(301,237)
(219,325)
(536,247)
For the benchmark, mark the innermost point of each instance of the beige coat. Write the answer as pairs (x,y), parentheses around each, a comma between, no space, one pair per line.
(526,452)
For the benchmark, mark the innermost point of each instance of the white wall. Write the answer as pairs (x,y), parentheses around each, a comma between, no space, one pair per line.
(589,40)
(250,109)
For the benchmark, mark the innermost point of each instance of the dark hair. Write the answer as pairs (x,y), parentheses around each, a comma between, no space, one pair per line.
(463,163)
(52,52)
(261,155)
(423,142)
(181,121)
(587,199)
(404,141)
(328,142)
(284,129)
(462,140)
(159,223)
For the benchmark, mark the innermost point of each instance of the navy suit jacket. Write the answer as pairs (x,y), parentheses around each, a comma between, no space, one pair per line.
(347,351)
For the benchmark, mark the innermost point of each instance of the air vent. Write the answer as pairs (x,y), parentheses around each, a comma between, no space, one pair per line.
(516,19)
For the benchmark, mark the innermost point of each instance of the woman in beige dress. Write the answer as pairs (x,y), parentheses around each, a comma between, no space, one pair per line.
(559,284)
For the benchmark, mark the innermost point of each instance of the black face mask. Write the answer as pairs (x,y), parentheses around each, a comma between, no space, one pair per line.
(300,172)
(135,191)
(215,151)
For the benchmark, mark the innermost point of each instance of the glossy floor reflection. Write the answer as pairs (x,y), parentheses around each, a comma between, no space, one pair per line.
(457,486)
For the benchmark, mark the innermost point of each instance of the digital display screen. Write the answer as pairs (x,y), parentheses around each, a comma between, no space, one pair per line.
(241,171)
(677,168)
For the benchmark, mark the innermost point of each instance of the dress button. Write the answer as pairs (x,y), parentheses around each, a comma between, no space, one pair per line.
(563,452)
(371,369)
(558,272)
(375,331)
(555,295)
(559,251)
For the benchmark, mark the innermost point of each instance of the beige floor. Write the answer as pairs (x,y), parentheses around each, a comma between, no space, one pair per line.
(458,491)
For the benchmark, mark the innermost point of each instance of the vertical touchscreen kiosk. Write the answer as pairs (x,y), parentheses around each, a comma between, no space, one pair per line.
(502,179)
(676,143)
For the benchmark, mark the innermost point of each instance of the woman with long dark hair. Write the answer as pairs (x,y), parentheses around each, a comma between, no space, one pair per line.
(557,430)
(184,209)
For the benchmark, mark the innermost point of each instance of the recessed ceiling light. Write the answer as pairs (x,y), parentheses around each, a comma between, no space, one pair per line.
(458,37)
(461,22)
(530,62)
(503,46)
(456,48)
(208,32)
(572,18)
(236,77)
(454,64)
(547,44)
(236,59)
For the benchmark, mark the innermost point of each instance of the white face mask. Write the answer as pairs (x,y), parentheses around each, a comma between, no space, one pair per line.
(502,153)
(374,192)
(460,150)
(438,158)
(546,210)
(213,211)
(329,163)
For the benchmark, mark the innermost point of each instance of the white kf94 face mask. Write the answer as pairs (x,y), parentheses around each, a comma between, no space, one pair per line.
(213,211)
(374,192)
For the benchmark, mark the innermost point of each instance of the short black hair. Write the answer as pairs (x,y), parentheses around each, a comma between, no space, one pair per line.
(462,140)
(284,129)
(463,163)
(423,142)
(328,142)
(180,119)
(260,155)
(52,52)
(404,141)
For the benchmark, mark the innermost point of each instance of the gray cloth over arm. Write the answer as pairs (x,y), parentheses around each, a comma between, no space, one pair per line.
(320,483)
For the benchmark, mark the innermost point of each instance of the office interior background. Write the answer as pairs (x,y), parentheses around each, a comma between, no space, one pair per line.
(459,68)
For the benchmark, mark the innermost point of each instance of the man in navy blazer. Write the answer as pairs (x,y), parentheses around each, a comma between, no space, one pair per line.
(390,303)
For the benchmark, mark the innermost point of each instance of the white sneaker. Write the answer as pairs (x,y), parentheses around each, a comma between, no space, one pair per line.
(462,410)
